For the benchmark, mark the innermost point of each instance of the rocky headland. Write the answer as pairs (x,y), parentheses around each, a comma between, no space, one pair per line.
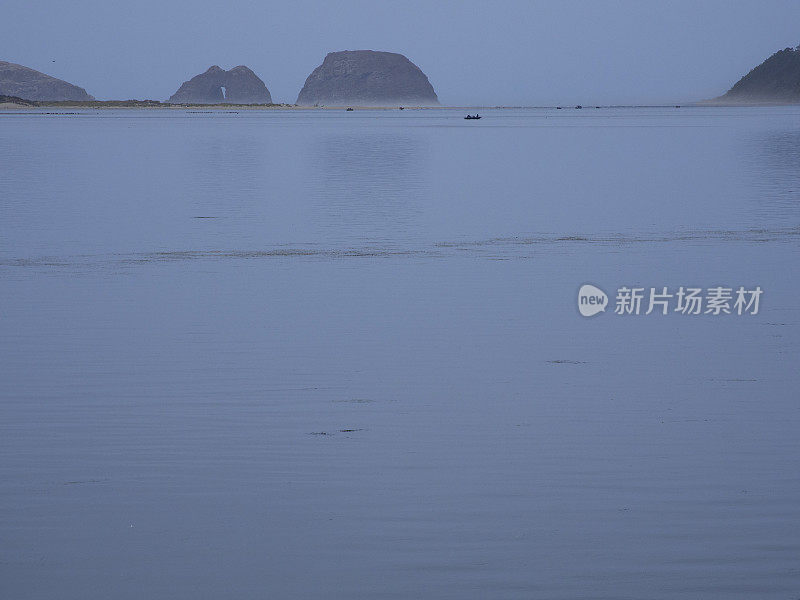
(29,84)
(775,81)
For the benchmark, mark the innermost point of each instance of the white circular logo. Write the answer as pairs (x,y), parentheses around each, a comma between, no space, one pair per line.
(591,300)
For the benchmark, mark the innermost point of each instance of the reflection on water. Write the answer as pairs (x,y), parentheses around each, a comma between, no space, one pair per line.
(225,174)
(369,185)
(773,168)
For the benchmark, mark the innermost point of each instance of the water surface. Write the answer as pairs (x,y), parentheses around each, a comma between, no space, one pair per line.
(319,354)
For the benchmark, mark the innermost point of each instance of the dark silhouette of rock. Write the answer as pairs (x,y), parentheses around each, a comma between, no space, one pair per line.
(217,86)
(16,80)
(367,78)
(777,79)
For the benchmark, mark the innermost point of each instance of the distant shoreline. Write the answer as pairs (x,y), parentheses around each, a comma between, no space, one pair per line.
(13,103)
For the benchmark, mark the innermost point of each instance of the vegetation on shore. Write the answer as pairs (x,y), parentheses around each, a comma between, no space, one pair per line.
(22,102)
(16,100)
(774,81)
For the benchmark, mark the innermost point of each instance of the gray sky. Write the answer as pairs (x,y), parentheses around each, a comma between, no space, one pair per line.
(480,52)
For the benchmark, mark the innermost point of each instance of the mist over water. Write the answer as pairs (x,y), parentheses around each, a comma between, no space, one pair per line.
(319,354)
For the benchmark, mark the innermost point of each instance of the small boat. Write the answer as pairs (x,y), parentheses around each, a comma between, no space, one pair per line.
(472,117)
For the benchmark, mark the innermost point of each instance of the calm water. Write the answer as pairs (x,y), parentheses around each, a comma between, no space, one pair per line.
(319,354)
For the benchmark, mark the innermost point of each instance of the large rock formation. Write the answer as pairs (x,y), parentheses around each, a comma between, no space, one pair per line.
(777,79)
(367,78)
(217,86)
(16,80)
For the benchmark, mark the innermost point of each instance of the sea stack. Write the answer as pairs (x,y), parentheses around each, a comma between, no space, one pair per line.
(776,80)
(218,86)
(367,78)
(23,82)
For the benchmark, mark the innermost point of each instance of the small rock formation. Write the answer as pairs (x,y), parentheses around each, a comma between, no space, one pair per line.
(367,78)
(217,86)
(777,79)
(22,82)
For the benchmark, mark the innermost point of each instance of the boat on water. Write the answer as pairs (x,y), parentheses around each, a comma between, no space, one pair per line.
(472,117)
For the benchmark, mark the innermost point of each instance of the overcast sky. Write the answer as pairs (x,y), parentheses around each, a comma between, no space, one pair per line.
(512,53)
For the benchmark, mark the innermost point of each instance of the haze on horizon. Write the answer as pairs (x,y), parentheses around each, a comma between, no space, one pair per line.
(502,53)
